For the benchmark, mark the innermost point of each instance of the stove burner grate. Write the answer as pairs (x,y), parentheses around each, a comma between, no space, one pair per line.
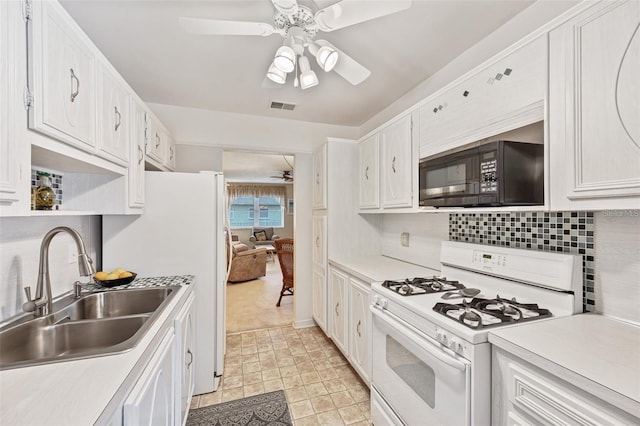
(416,286)
(484,313)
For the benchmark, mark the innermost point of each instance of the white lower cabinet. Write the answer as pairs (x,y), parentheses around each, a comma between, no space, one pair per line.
(524,394)
(360,328)
(338,311)
(319,298)
(184,326)
(350,319)
(151,401)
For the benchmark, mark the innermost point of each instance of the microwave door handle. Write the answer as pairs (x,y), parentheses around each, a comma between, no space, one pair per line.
(428,344)
(453,189)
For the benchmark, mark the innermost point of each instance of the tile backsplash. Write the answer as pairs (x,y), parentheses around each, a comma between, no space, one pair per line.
(565,232)
(56,184)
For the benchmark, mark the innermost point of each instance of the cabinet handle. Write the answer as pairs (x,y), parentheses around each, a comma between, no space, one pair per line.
(157,140)
(75,93)
(140,155)
(336,309)
(171,153)
(318,242)
(393,164)
(318,178)
(190,357)
(118,119)
(366,173)
(358,328)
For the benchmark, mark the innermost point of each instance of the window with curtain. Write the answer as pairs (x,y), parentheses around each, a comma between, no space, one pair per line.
(246,200)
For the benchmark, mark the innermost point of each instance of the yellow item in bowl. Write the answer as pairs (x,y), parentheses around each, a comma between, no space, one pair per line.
(112,277)
(118,271)
(125,274)
(101,276)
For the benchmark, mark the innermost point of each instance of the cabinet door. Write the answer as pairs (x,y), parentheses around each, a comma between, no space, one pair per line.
(157,140)
(137,156)
(503,94)
(596,116)
(319,227)
(9,143)
(62,77)
(184,372)
(368,172)
(396,164)
(320,298)
(359,328)
(170,154)
(338,312)
(152,400)
(115,119)
(320,178)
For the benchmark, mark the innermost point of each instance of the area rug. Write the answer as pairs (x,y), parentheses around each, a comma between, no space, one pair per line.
(261,410)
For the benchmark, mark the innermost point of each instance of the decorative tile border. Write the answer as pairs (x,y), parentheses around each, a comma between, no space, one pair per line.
(565,232)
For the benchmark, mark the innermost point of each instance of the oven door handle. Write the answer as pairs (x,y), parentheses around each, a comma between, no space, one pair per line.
(431,346)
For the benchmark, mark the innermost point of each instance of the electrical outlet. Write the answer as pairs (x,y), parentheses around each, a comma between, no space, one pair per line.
(73,255)
(404,239)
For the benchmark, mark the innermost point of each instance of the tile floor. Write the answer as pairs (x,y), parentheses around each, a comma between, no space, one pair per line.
(320,385)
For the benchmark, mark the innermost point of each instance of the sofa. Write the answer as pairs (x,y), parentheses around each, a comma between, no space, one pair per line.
(246,264)
(258,233)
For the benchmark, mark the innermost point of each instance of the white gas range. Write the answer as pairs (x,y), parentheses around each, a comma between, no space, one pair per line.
(431,360)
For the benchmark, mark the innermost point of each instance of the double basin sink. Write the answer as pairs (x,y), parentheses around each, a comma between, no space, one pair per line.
(93,325)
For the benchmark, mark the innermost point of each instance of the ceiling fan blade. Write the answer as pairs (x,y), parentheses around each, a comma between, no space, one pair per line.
(220,27)
(347,67)
(350,12)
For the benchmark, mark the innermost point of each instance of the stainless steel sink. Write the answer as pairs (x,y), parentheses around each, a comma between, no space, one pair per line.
(115,304)
(95,325)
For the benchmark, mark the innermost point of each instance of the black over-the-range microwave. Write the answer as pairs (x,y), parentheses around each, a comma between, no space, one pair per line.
(499,173)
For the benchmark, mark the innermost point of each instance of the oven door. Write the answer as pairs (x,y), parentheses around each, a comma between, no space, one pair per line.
(423,383)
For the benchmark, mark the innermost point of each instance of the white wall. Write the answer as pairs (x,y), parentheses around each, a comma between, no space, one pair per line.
(196,158)
(426,233)
(20,239)
(518,27)
(617,264)
(247,132)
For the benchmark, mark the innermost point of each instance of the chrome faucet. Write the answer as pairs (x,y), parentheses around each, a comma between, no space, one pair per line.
(42,304)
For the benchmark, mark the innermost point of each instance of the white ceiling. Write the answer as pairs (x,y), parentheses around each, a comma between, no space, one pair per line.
(164,65)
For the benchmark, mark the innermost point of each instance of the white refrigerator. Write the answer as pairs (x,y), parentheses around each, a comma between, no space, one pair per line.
(180,233)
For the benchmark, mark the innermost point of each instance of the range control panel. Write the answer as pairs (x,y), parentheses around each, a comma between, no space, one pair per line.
(485,258)
(488,178)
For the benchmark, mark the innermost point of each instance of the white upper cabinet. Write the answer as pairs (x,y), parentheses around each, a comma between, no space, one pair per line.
(139,132)
(320,178)
(397,165)
(369,172)
(10,145)
(595,109)
(62,77)
(170,156)
(157,140)
(115,118)
(505,93)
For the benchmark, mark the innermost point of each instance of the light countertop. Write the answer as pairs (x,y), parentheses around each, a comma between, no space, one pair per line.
(380,268)
(79,392)
(593,352)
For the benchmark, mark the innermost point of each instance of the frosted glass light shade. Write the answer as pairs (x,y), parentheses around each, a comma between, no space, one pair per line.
(275,75)
(327,58)
(285,58)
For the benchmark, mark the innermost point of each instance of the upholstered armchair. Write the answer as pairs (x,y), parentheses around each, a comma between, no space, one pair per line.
(257,236)
(247,264)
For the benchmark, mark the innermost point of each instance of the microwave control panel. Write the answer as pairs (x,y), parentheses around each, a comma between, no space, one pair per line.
(488,178)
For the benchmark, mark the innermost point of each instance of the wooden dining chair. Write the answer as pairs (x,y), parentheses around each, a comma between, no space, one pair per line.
(284,250)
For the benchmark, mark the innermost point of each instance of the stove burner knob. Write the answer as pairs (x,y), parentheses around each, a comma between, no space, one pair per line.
(455,345)
(375,299)
(383,303)
(441,337)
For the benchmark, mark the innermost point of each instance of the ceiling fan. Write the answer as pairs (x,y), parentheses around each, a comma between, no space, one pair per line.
(298,22)
(286,176)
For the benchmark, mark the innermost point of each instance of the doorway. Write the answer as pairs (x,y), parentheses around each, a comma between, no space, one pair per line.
(262,196)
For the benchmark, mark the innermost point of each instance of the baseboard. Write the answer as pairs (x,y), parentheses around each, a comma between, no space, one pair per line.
(305,323)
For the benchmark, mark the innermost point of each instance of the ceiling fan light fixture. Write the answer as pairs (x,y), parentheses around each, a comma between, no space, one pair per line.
(308,77)
(275,75)
(285,58)
(327,58)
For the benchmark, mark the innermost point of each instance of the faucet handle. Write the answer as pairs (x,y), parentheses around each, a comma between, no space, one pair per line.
(29,305)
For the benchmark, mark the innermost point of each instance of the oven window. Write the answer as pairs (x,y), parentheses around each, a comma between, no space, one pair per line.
(415,373)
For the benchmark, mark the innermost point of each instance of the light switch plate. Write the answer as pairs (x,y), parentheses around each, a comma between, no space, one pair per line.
(404,239)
